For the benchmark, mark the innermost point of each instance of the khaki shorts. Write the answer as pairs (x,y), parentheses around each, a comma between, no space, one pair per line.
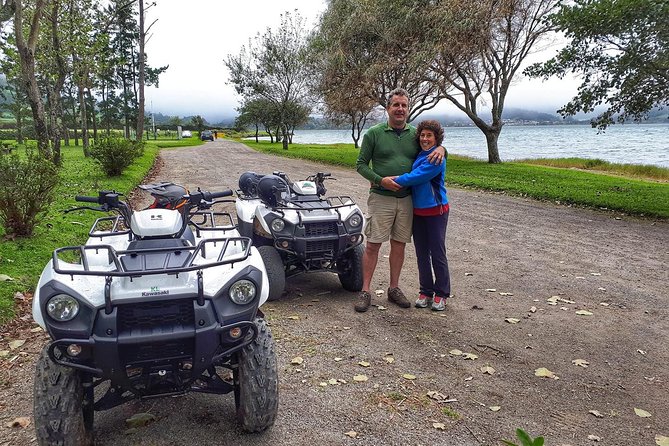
(389,218)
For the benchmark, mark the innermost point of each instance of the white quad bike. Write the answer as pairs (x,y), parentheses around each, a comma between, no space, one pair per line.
(297,229)
(158,302)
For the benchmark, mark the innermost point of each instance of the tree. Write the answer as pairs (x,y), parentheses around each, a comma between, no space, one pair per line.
(198,122)
(364,46)
(620,48)
(276,66)
(480,63)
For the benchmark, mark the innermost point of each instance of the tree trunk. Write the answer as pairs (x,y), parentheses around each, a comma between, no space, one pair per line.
(142,63)
(93,114)
(284,130)
(26,52)
(55,123)
(84,120)
(491,137)
(74,121)
(256,133)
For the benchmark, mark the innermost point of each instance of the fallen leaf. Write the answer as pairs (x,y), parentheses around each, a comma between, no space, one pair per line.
(595,274)
(436,395)
(440,426)
(469,378)
(346,328)
(604,304)
(379,292)
(642,352)
(580,362)
(596,413)
(381,307)
(360,378)
(389,359)
(409,376)
(36,330)
(642,413)
(5,278)
(364,364)
(543,372)
(333,382)
(352,434)
(323,384)
(469,274)
(19,296)
(294,318)
(579,277)
(139,420)
(338,359)
(601,288)
(511,320)
(506,294)
(661,440)
(494,408)
(470,356)
(594,438)
(4,353)
(487,370)
(13,345)
(491,290)
(533,309)
(297,360)
(584,313)
(19,422)
(455,352)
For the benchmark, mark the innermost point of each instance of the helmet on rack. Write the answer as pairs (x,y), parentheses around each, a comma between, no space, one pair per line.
(272,189)
(166,195)
(248,183)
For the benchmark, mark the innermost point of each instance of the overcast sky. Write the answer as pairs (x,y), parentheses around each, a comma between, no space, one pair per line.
(194,37)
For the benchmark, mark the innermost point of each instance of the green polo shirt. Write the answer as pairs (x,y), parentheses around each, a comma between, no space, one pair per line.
(383,154)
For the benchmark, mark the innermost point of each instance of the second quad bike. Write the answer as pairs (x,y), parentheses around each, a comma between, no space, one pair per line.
(157,302)
(297,229)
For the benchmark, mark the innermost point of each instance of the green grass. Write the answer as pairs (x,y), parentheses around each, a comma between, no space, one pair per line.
(622,192)
(641,171)
(23,259)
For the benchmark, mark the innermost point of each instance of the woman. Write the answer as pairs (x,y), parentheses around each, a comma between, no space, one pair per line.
(430,217)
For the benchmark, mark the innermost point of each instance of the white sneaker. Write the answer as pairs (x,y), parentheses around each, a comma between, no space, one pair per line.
(423,301)
(438,304)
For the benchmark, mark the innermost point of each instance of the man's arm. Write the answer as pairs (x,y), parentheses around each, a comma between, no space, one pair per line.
(364,158)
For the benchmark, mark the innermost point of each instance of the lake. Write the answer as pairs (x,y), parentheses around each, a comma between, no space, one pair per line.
(628,143)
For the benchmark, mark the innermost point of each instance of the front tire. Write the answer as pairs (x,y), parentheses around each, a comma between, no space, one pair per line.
(63,416)
(276,273)
(350,272)
(257,382)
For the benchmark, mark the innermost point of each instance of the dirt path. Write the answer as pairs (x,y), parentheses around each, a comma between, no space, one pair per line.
(508,257)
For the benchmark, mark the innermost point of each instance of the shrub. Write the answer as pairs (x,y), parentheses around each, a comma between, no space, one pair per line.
(26,189)
(115,154)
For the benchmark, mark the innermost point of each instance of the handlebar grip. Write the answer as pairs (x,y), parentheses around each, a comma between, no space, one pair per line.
(86,199)
(225,193)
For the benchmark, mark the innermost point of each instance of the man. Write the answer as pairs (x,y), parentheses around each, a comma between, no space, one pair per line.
(391,149)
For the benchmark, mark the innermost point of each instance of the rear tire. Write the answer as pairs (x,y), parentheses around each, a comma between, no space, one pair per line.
(257,382)
(63,416)
(350,274)
(276,273)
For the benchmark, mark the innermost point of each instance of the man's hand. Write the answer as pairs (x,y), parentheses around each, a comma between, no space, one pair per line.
(437,156)
(389,184)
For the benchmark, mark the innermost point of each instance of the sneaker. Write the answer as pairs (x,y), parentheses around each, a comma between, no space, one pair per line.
(396,296)
(439,303)
(423,301)
(364,301)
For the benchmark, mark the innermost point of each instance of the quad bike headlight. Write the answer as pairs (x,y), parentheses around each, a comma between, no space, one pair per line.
(278,225)
(242,292)
(355,220)
(62,307)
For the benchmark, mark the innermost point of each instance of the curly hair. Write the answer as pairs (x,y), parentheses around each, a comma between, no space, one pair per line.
(432,126)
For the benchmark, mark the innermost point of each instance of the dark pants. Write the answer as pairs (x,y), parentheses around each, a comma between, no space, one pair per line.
(429,238)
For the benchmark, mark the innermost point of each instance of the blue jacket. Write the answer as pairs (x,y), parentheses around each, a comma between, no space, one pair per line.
(426,181)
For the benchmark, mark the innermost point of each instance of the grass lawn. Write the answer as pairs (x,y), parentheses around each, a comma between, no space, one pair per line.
(23,259)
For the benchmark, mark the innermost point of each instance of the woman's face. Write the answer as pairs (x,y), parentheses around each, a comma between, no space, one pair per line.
(427,139)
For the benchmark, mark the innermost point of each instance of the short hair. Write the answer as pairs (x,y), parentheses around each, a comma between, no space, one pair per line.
(434,127)
(396,92)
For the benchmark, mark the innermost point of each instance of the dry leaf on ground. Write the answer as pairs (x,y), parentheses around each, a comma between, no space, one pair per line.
(455,352)
(642,413)
(487,369)
(584,313)
(543,372)
(19,422)
(494,408)
(360,378)
(491,290)
(596,413)
(506,294)
(389,359)
(470,356)
(352,434)
(294,318)
(511,320)
(440,426)
(594,438)
(5,278)
(409,376)
(297,360)
(580,362)
(364,364)
(140,419)
(13,345)
(661,440)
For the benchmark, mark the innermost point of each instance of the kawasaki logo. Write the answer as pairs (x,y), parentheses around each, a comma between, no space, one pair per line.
(155,291)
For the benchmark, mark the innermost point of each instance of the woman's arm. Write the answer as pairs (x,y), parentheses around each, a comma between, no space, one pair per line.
(423,173)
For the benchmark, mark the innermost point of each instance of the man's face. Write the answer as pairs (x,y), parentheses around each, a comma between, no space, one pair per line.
(398,111)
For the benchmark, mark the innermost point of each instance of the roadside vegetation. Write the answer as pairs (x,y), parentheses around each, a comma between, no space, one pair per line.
(635,190)
(23,258)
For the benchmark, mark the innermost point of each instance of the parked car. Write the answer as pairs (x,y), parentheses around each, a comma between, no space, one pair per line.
(186,134)
(206,135)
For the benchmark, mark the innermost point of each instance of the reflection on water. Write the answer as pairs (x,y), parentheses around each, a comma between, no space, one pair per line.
(628,143)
